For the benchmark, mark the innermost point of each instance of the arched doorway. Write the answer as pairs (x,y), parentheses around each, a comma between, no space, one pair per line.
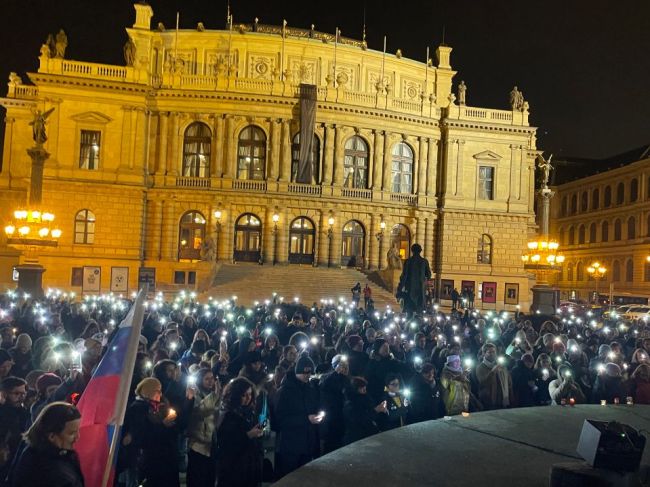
(301,241)
(191,235)
(248,238)
(400,238)
(352,249)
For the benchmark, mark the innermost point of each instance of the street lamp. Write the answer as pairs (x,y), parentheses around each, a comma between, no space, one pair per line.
(597,272)
(380,239)
(275,218)
(217,216)
(330,234)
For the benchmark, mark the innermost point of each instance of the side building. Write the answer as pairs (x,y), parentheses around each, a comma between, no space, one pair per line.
(605,218)
(190,154)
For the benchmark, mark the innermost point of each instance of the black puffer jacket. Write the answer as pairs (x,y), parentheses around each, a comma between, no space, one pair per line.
(49,467)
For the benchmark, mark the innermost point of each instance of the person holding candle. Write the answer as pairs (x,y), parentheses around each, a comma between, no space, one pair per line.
(544,374)
(565,387)
(609,385)
(426,396)
(359,412)
(495,381)
(397,404)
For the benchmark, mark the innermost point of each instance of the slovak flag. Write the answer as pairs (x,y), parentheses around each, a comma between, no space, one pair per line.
(104,401)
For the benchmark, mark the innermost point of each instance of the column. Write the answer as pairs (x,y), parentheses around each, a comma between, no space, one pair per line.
(169,243)
(338,156)
(216,159)
(531,184)
(419,237)
(428,241)
(229,140)
(513,176)
(449,162)
(432,167)
(157,229)
(273,158)
(172,162)
(421,166)
(521,171)
(138,140)
(162,143)
(387,162)
(459,171)
(6,148)
(378,158)
(328,156)
(127,132)
(285,168)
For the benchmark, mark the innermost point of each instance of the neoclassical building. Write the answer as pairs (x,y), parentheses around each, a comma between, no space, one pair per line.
(605,218)
(191,154)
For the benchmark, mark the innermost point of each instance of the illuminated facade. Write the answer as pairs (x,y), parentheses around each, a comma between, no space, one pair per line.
(190,155)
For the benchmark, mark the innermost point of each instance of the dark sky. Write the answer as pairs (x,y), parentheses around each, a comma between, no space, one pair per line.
(583,65)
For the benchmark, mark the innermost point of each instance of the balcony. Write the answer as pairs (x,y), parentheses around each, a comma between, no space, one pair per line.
(249,185)
(359,194)
(308,189)
(186,182)
(407,199)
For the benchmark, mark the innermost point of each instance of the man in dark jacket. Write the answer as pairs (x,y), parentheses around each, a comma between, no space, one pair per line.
(523,382)
(380,365)
(412,286)
(13,420)
(357,358)
(333,388)
(296,415)
(426,397)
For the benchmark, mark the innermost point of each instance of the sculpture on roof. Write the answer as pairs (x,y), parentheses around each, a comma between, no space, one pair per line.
(129,52)
(61,44)
(516,99)
(462,90)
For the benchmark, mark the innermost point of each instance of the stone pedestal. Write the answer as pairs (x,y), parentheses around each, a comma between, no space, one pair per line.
(546,299)
(30,279)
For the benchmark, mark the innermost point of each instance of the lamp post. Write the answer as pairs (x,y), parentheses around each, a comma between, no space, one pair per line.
(275,218)
(330,234)
(217,216)
(380,239)
(597,272)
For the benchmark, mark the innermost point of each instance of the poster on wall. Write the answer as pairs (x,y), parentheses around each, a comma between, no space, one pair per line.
(511,295)
(489,292)
(447,286)
(92,279)
(147,275)
(119,279)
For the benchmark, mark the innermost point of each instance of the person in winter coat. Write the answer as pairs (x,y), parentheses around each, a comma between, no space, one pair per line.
(246,344)
(523,382)
(397,404)
(239,451)
(21,354)
(495,382)
(609,385)
(426,396)
(271,352)
(14,419)
(565,387)
(46,384)
(200,465)
(357,358)
(296,415)
(380,365)
(49,458)
(456,388)
(333,387)
(640,384)
(544,374)
(360,413)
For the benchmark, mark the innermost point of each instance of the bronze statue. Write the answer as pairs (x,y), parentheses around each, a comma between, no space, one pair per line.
(61,44)
(545,166)
(38,126)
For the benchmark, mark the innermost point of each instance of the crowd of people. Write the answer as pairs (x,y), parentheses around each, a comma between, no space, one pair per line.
(217,385)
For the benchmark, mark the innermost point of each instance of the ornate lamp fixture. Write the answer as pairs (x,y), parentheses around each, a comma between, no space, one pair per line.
(32,227)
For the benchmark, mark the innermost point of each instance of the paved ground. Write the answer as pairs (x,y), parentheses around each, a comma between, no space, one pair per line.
(512,448)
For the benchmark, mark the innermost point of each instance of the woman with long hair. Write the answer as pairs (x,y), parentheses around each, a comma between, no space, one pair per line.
(239,452)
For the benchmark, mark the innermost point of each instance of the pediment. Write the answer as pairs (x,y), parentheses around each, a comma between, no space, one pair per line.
(91,117)
(487,155)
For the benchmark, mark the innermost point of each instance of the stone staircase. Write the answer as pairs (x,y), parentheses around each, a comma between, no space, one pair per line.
(252,282)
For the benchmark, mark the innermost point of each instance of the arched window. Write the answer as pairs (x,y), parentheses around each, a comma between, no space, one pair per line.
(595,199)
(484,253)
(84,227)
(251,154)
(629,270)
(248,238)
(617,229)
(400,238)
(592,233)
(620,193)
(561,239)
(569,272)
(301,241)
(572,236)
(604,232)
(196,151)
(634,190)
(608,197)
(581,234)
(580,272)
(314,158)
(563,208)
(355,173)
(574,204)
(631,228)
(191,235)
(353,244)
(616,271)
(402,168)
(584,201)
(646,272)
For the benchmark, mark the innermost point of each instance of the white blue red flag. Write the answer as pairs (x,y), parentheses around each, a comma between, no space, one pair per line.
(103,402)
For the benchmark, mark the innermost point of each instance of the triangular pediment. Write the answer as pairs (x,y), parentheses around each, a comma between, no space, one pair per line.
(91,117)
(487,155)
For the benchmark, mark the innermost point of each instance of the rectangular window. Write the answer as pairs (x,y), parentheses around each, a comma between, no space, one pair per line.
(179,277)
(77,276)
(89,149)
(486,183)
(191,277)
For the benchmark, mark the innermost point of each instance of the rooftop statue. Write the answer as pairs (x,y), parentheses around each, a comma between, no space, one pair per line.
(61,44)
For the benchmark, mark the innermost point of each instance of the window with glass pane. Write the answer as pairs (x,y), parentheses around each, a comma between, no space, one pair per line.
(89,149)
(302,236)
(605,232)
(191,235)
(486,182)
(629,271)
(84,227)
(400,238)
(251,154)
(355,167)
(402,172)
(196,151)
(484,254)
(314,159)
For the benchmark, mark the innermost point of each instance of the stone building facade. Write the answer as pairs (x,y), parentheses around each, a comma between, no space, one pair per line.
(187,156)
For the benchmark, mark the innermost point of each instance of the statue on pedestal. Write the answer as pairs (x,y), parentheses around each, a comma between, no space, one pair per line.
(38,126)
(129,52)
(462,90)
(61,44)
(516,99)
(545,166)
(394,260)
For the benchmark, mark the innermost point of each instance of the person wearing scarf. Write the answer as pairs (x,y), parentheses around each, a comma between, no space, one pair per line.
(495,382)
(456,389)
(397,404)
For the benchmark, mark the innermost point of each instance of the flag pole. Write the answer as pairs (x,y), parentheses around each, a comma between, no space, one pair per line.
(125,382)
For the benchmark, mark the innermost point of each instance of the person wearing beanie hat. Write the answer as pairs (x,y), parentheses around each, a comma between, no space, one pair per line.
(426,396)
(357,358)
(523,381)
(453,363)
(609,385)
(253,369)
(6,364)
(380,365)
(333,387)
(296,414)
(21,353)
(455,387)
(46,384)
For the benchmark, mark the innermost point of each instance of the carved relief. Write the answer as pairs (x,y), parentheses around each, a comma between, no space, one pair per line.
(346,75)
(411,89)
(261,67)
(374,79)
(216,61)
(304,70)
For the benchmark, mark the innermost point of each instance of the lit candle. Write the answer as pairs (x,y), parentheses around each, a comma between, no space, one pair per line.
(603,402)
(572,402)
(171,414)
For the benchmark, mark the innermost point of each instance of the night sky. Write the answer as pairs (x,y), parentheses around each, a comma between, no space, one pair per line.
(583,65)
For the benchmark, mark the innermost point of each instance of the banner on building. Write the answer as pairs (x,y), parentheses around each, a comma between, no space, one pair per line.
(92,279)
(119,279)
(489,292)
(306,170)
